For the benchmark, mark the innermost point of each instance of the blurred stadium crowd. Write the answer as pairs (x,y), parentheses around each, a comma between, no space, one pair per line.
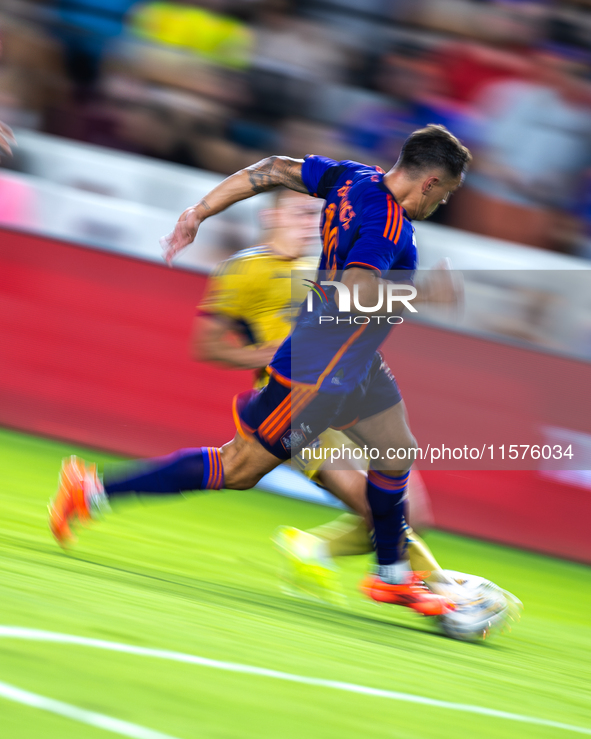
(218,84)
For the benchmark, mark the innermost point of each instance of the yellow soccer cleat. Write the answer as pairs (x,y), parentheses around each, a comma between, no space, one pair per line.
(307,569)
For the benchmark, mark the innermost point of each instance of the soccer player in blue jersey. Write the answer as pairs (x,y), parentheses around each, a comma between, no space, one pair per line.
(328,372)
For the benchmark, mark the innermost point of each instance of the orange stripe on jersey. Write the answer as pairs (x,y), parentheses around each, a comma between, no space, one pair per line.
(282,413)
(272,428)
(346,426)
(339,354)
(271,433)
(302,400)
(397,216)
(295,397)
(279,422)
(363,264)
(389,219)
(399,229)
(280,379)
(275,414)
(243,429)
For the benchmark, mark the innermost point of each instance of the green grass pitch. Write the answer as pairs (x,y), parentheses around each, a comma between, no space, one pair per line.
(199,576)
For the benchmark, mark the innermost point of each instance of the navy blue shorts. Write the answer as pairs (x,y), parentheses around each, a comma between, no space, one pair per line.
(287,417)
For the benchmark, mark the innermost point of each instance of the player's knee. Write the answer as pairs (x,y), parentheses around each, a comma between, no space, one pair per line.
(411,449)
(243,482)
(239,474)
(406,453)
(236,477)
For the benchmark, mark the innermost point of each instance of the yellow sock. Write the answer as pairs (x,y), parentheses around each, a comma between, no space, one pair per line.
(421,557)
(346,536)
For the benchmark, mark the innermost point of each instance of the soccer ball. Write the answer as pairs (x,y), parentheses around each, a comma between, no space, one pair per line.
(481,607)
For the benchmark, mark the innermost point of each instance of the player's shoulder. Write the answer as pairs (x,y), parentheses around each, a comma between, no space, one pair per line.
(244,261)
(325,177)
(376,199)
(338,167)
(360,170)
(380,211)
(252,252)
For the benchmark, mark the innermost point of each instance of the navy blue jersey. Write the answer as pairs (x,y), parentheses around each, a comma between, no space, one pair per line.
(362,226)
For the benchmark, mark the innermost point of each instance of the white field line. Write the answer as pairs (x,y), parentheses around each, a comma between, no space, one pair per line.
(16,632)
(98,720)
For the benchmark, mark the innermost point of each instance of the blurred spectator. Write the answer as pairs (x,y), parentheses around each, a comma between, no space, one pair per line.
(218,38)
(84,28)
(217,84)
(32,73)
(535,139)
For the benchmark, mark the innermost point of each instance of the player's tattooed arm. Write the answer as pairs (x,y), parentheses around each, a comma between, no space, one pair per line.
(274,171)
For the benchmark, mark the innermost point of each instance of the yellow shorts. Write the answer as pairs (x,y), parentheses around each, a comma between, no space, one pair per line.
(311,462)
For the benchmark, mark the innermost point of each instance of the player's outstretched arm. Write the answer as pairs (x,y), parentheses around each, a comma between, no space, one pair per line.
(214,340)
(274,171)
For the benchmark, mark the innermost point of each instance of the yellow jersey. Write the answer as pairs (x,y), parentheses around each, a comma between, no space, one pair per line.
(254,288)
(261,292)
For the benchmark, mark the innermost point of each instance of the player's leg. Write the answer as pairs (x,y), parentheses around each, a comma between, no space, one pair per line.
(386,493)
(345,536)
(341,468)
(237,465)
(419,513)
(383,428)
(386,487)
(345,479)
(309,555)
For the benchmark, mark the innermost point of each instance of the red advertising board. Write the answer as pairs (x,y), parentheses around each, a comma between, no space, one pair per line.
(95,348)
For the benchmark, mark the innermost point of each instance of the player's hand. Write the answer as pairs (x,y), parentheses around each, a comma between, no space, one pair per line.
(443,285)
(182,235)
(7,139)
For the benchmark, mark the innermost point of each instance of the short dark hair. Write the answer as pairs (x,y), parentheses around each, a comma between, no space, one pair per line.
(434,146)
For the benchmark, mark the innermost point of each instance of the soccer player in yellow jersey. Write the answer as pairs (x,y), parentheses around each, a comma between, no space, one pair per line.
(246,311)
(245,314)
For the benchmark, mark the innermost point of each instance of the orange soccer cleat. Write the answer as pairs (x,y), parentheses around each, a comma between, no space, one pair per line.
(413,594)
(71,500)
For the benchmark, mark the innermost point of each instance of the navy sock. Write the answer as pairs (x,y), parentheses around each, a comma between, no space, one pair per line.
(386,498)
(187,469)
